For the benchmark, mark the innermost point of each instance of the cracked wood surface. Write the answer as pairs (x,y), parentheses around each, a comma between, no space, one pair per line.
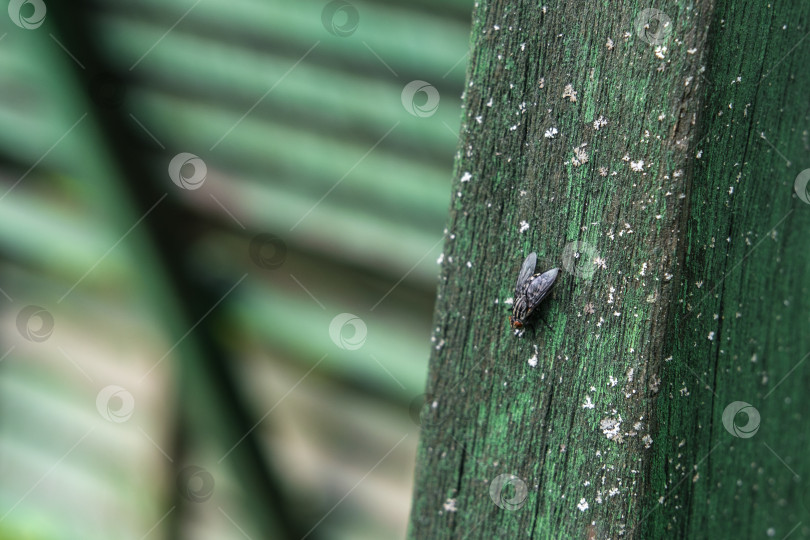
(655,166)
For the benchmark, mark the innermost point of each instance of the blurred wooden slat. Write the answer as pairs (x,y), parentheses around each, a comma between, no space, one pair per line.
(368,247)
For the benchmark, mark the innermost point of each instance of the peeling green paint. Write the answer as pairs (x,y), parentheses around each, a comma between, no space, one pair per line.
(613,414)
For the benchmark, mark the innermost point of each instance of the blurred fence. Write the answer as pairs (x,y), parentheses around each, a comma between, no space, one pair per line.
(315,144)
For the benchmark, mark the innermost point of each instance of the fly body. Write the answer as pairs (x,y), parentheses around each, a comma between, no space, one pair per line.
(530,290)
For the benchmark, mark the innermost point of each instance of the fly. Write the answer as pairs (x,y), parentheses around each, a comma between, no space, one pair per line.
(530,290)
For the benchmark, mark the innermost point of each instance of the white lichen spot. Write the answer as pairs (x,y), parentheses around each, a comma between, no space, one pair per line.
(647,440)
(699,154)
(469,264)
(533,360)
(524,226)
(466,177)
(599,122)
(542,82)
(588,403)
(489,103)
(449,505)
(637,166)
(711,336)
(588,308)
(613,381)
(609,44)
(550,133)
(660,52)
(440,260)
(509,301)
(583,505)
(600,262)
(611,427)
(603,171)
(691,51)
(580,155)
(479,119)
(570,93)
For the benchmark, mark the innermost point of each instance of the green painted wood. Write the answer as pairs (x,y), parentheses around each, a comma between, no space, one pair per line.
(741,320)
(578,431)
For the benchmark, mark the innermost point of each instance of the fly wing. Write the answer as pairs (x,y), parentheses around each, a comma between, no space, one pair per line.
(540,286)
(526,272)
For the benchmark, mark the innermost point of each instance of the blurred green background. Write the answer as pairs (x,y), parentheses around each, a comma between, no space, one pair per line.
(225,345)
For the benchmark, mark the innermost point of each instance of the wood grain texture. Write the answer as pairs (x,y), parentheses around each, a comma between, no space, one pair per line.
(606,413)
